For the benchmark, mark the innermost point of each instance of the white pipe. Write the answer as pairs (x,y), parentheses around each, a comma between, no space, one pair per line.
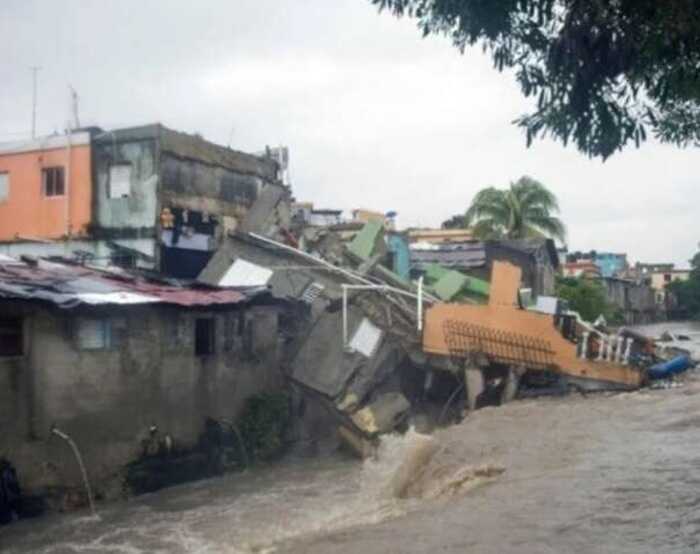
(419,307)
(88,490)
(585,324)
(346,287)
(345,316)
(349,274)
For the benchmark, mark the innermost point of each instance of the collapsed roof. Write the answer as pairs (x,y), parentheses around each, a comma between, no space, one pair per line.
(68,285)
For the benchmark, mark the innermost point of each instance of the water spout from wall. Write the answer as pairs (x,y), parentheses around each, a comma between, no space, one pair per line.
(56,431)
(239,438)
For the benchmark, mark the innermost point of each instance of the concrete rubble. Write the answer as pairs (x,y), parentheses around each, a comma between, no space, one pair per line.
(371,353)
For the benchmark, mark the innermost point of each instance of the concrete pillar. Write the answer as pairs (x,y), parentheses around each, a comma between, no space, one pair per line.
(512,381)
(474,384)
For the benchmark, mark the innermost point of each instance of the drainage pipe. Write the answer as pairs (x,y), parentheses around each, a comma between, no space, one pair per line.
(56,431)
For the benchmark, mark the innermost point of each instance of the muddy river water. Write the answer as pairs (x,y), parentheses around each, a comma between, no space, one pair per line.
(606,473)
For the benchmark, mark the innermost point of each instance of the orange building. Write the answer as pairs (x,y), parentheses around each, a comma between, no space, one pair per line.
(582,268)
(45,187)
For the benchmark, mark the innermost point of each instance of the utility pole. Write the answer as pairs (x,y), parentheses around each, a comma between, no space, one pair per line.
(35,69)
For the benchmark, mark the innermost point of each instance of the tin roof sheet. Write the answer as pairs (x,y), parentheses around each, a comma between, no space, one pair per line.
(68,286)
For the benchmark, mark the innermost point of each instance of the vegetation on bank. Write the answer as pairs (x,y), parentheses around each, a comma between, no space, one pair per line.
(687,293)
(263,424)
(587,297)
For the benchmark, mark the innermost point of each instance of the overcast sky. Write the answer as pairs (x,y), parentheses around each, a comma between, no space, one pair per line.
(374,115)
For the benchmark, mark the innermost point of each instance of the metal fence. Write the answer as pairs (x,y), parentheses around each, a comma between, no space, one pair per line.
(466,340)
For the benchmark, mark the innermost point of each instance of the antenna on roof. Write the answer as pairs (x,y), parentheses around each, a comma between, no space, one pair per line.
(34,69)
(74,107)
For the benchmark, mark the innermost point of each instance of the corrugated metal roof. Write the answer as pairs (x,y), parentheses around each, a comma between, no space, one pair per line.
(68,286)
(245,274)
(464,256)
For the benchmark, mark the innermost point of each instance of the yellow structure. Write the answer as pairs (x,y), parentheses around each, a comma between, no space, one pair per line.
(440,236)
(503,332)
(365,216)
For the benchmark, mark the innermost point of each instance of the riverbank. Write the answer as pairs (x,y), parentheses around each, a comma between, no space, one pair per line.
(586,475)
(602,473)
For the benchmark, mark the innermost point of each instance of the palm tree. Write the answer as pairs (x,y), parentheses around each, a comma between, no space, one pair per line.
(523,210)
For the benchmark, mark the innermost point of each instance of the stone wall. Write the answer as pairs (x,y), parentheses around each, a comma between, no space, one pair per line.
(106,398)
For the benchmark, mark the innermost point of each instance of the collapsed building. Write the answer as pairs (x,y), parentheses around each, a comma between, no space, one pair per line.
(362,349)
(356,328)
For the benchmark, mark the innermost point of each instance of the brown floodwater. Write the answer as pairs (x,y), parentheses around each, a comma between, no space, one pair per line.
(603,473)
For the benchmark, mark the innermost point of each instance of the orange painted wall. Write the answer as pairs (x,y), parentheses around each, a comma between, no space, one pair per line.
(502,314)
(26,212)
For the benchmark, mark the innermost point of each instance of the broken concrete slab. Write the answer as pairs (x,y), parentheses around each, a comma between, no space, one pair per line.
(322,363)
(369,240)
(382,415)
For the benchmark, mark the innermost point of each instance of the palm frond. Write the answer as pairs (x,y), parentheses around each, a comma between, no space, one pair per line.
(534,193)
(487,203)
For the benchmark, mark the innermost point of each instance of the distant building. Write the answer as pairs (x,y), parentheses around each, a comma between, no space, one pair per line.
(643,269)
(660,279)
(537,259)
(610,264)
(658,276)
(439,236)
(636,301)
(305,214)
(325,218)
(584,268)
(365,216)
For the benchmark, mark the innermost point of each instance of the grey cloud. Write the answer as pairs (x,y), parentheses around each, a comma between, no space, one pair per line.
(375,115)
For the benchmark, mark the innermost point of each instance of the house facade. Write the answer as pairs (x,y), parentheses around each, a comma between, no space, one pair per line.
(45,188)
(106,357)
(177,194)
(635,300)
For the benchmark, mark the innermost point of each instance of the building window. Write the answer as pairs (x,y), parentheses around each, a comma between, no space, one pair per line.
(204,330)
(4,186)
(667,277)
(11,337)
(120,181)
(94,334)
(54,181)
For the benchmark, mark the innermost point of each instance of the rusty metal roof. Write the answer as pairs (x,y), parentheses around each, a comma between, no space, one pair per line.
(68,285)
